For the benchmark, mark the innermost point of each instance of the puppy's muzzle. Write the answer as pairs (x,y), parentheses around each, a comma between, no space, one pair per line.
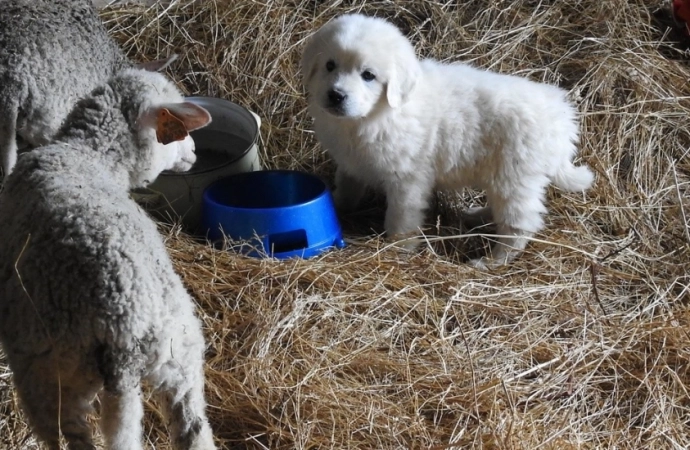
(336,100)
(336,97)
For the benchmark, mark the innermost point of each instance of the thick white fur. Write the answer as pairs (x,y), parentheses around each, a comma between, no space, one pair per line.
(421,125)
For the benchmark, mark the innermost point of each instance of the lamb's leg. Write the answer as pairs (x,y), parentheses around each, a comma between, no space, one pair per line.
(40,401)
(8,135)
(188,424)
(348,191)
(55,404)
(75,406)
(180,388)
(518,216)
(122,412)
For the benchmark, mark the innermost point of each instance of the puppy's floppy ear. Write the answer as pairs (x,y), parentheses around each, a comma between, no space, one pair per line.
(402,80)
(309,59)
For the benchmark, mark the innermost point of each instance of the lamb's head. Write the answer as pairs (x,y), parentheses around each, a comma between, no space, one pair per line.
(161,119)
(164,128)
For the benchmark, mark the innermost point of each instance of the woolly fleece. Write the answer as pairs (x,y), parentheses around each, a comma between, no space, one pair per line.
(88,294)
(52,52)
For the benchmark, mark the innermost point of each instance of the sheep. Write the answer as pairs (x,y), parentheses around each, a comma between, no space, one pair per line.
(52,52)
(89,300)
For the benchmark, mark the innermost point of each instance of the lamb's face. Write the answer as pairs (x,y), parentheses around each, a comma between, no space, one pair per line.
(178,156)
(156,157)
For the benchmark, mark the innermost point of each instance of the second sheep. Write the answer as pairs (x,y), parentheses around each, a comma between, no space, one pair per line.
(52,53)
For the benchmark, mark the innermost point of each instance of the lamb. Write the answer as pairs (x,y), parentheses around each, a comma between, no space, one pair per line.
(52,52)
(89,300)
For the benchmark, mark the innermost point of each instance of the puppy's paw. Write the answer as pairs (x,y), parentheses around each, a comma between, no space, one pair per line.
(409,244)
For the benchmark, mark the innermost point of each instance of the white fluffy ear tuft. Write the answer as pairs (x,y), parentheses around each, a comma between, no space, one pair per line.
(402,81)
(174,121)
(157,65)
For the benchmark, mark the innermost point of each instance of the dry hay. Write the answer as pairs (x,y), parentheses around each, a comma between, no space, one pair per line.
(581,343)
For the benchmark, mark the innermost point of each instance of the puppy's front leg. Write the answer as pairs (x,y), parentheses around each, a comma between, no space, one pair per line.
(407,202)
(348,190)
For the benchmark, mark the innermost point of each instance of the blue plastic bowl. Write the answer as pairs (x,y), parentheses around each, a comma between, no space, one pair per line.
(279,213)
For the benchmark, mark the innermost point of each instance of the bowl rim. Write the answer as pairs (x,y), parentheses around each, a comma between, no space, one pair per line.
(254,141)
(324,191)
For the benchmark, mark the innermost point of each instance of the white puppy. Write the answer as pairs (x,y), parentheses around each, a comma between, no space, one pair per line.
(408,126)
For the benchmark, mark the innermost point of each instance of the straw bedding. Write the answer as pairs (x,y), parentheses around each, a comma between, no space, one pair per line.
(581,343)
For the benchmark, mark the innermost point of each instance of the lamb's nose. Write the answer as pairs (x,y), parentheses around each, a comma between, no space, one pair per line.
(336,97)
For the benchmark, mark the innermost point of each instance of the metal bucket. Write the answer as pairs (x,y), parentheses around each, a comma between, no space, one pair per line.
(229,145)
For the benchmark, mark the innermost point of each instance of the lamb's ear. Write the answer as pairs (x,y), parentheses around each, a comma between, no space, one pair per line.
(174,121)
(402,80)
(157,65)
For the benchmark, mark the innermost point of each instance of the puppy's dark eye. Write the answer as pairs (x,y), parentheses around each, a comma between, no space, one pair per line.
(368,76)
(330,65)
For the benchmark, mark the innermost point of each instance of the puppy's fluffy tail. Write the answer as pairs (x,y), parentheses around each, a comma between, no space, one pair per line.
(573,178)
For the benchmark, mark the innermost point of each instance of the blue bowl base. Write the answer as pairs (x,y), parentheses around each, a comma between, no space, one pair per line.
(256,248)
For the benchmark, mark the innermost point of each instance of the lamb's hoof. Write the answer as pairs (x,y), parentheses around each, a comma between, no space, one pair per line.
(204,440)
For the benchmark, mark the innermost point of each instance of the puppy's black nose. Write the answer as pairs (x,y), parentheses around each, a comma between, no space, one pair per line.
(335,97)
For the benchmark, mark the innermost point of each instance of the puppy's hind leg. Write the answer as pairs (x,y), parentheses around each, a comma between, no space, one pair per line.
(518,216)
(509,244)
(348,191)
